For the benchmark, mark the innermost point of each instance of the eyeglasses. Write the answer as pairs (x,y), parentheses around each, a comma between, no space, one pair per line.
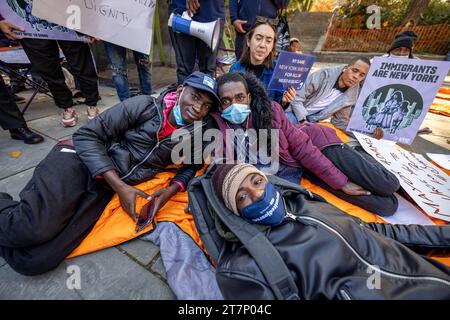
(146,215)
(273,22)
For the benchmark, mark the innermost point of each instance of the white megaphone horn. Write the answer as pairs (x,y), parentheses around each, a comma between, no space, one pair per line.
(208,32)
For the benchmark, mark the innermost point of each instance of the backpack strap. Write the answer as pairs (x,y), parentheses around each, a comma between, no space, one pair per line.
(262,250)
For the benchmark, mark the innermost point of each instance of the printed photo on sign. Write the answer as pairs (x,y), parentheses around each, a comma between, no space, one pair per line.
(392,108)
(396,96)
(19,12)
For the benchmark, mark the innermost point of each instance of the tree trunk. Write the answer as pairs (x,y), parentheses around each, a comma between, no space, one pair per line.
(413,11)
(307,5)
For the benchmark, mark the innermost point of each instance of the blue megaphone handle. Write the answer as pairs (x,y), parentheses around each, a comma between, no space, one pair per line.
(180,24)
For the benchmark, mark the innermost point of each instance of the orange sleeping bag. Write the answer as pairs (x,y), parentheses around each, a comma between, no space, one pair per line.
(115,226)
(441,104)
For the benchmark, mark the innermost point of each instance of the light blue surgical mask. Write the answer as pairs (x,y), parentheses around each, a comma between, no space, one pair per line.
(177,112)
(236,113)
(177,115)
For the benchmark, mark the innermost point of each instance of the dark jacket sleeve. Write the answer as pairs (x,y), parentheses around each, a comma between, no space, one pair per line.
(308,155)
(1,17)
(233,8)
(232,283)
(422,239)
(91,140)
(281,4)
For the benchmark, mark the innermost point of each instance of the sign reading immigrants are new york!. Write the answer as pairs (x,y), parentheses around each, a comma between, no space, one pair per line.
(425,183)
(127,23)
(396,96)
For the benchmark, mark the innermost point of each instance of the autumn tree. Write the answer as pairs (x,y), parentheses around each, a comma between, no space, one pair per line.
(413,12)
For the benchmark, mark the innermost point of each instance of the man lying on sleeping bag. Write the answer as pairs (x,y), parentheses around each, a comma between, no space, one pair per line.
(127,144)
(331,255)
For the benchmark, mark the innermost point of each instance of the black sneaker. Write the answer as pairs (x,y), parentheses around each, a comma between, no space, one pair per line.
(25,134)
(18,99)
(17,88)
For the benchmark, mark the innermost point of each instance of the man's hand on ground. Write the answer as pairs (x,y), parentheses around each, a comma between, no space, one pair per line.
(353,189)
(161,196)
(127,196)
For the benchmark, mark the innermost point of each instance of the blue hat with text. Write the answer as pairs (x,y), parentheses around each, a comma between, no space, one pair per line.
(203,81)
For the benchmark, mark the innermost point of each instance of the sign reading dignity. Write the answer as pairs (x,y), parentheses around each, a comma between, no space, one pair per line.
(126,23)
(396,96)
(19,13)
(427,185)
(291,70)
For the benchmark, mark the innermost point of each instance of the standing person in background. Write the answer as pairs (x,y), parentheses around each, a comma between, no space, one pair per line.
(117,57)
(295,46)
(243,15)
(258,57)
(188,48)
(10,116)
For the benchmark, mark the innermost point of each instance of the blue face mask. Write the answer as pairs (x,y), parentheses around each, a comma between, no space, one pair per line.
(177,112)
(177,115)
(236,113)
(267,210)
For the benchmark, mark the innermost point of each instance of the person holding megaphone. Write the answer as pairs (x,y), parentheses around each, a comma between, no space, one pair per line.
(195,28)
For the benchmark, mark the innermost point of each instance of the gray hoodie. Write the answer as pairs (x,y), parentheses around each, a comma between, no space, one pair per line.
(317,86)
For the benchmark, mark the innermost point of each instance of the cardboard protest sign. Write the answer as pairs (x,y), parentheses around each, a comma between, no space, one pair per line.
(291,70)
(126,23)
(19,12)
(396,96)
(427,185)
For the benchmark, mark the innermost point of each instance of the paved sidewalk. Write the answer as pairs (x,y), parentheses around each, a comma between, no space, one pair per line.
(132,270)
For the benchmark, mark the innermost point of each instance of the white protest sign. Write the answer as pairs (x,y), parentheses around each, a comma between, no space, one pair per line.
(427,185)
(126,23)
(396,96)
(441,159)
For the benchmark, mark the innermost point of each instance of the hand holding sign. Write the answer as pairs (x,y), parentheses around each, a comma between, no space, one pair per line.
(288,96)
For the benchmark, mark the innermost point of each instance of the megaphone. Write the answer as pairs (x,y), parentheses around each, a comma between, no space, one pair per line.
(208,32)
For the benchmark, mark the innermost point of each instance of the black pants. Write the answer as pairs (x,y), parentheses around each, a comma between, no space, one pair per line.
(10,115)
(44,57)
(188,50)
(365,171)
(57,209)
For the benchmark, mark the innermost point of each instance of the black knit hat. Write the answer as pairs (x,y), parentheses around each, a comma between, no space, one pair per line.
(403,39)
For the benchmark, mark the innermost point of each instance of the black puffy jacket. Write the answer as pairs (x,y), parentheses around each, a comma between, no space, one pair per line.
(332,255)
(125,138)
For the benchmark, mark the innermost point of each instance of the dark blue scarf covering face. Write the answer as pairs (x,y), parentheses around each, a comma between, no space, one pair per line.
(266,210)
